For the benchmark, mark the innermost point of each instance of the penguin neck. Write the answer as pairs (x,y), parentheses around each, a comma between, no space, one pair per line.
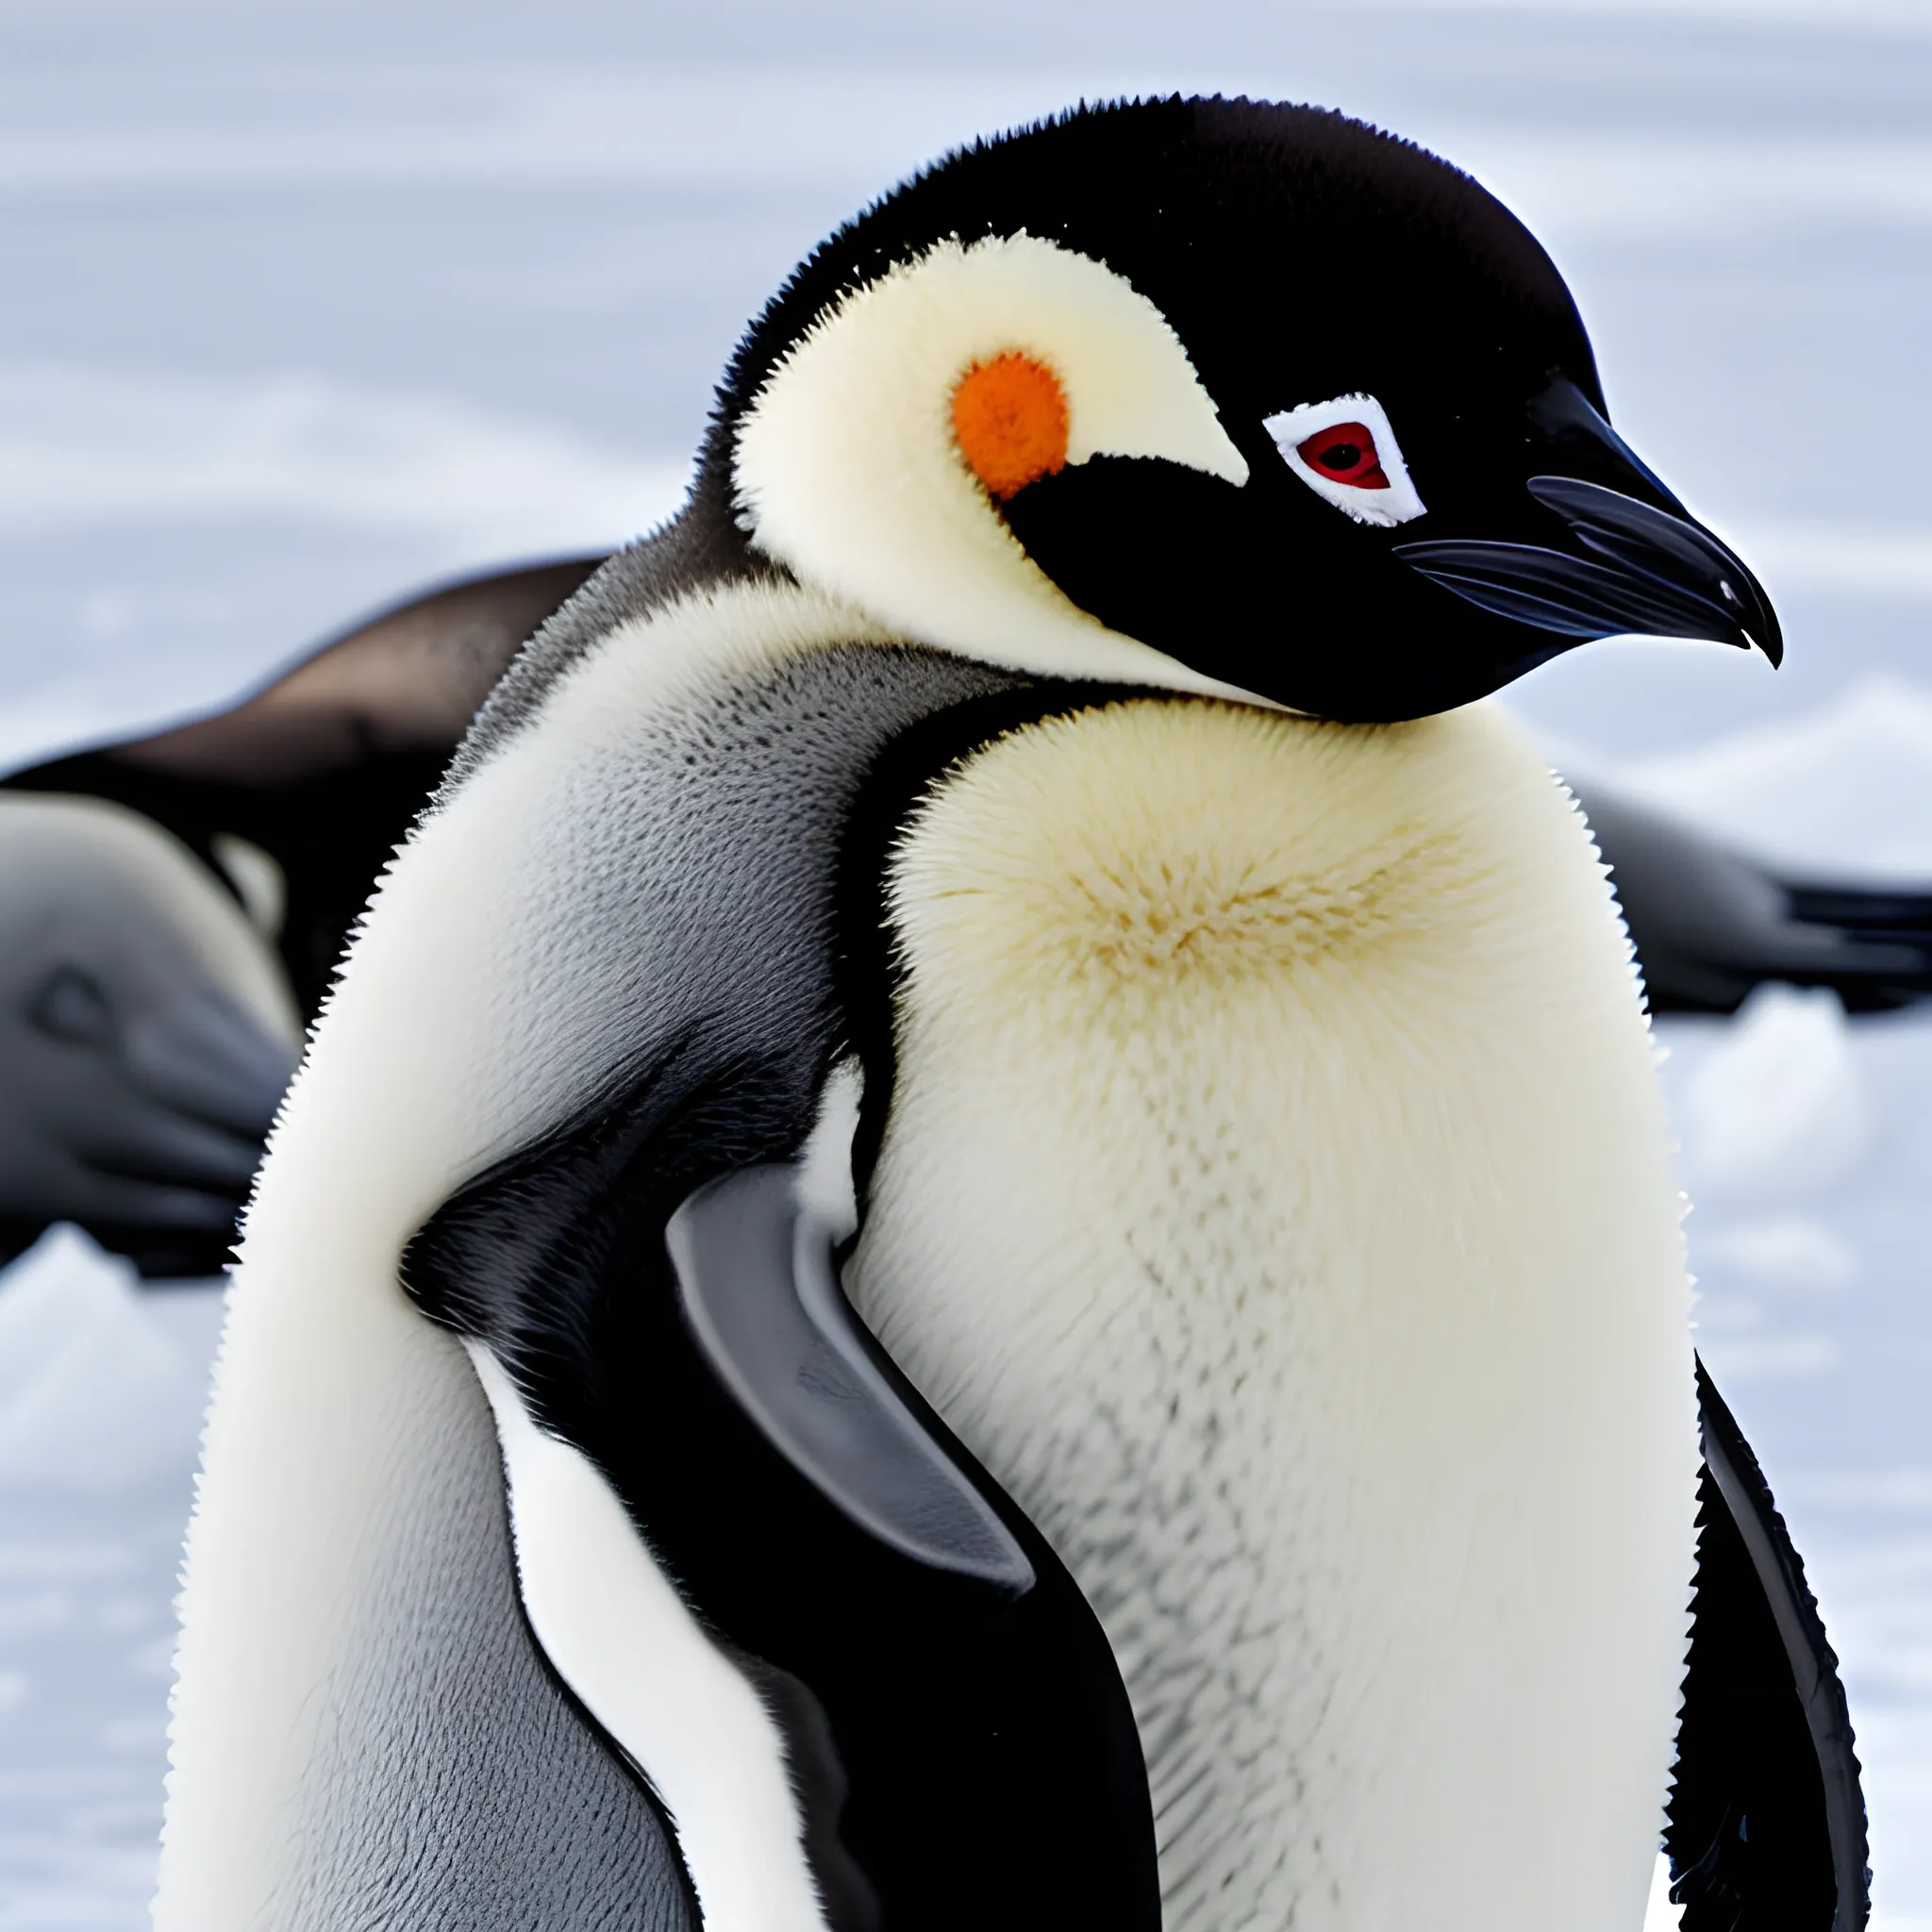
(1276,1200)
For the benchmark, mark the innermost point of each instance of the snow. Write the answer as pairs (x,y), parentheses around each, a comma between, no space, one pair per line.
(1775,1112)
(93,1394)
(1847,792)
(101,1393)
(307,305)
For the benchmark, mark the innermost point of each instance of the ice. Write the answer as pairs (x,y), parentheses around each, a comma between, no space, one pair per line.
(1777,1112)
(102,1386)
(95,1397)
(1846,791)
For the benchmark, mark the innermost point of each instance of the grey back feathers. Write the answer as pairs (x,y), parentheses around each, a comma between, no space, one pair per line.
(699,550)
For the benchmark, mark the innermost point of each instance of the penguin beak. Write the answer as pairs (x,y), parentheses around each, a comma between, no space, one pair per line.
(1641,563)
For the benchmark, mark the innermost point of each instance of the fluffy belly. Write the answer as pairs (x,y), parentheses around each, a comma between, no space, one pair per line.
(1276,1198)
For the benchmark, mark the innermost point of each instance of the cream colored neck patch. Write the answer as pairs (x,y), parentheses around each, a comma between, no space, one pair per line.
(848,468)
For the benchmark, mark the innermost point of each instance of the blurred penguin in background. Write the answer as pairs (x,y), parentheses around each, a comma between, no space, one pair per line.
(172,908)
(146,1034)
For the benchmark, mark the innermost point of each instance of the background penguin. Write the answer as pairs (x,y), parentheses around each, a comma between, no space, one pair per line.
(145,1037)
(1236,1121)
(321,771)
(1710,924)
(324,769)
(147,1029)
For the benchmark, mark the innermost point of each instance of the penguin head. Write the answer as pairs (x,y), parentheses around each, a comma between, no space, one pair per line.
(1218,395)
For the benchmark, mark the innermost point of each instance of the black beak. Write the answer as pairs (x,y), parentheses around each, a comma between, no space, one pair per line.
(1642,565)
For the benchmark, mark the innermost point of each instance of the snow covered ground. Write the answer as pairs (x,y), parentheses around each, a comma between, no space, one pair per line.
(301,306)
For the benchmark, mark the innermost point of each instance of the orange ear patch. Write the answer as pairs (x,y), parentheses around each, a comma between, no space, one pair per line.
(1009,417)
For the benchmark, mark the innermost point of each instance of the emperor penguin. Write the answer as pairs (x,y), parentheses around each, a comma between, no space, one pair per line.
(981,1233)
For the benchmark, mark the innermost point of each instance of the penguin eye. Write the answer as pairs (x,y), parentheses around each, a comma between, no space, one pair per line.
(1345,451)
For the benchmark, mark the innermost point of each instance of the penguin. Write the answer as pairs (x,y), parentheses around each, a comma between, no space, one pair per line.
(174,905)
(1709,923)
(145,1037)
(980,1231)
(295,794)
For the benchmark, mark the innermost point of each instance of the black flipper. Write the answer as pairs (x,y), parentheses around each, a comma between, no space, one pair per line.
(957,1732)
(1710,924)
(1767,1821)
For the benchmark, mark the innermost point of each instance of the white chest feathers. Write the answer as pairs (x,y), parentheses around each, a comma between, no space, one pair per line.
(1276,1199)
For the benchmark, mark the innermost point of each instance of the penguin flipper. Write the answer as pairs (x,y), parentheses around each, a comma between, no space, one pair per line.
(1890,921)
(941,1686)
(757,1278)
(1765,1826)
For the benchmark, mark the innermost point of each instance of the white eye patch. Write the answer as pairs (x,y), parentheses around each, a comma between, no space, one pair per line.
(1345,451)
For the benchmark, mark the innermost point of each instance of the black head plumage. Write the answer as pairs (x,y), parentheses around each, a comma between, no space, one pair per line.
(1303,259)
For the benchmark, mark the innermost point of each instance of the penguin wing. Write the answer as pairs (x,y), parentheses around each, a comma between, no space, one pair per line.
(1710,924)
(758,1283)
(1767,1821)
(324,769)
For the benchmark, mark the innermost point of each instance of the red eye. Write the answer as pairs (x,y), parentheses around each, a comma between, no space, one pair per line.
(1344,454)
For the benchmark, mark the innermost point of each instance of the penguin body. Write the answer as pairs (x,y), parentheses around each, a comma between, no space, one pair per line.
(1233,1134)
(1053,1191)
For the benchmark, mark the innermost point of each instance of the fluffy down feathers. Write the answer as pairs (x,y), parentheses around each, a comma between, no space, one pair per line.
(1277,1200)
